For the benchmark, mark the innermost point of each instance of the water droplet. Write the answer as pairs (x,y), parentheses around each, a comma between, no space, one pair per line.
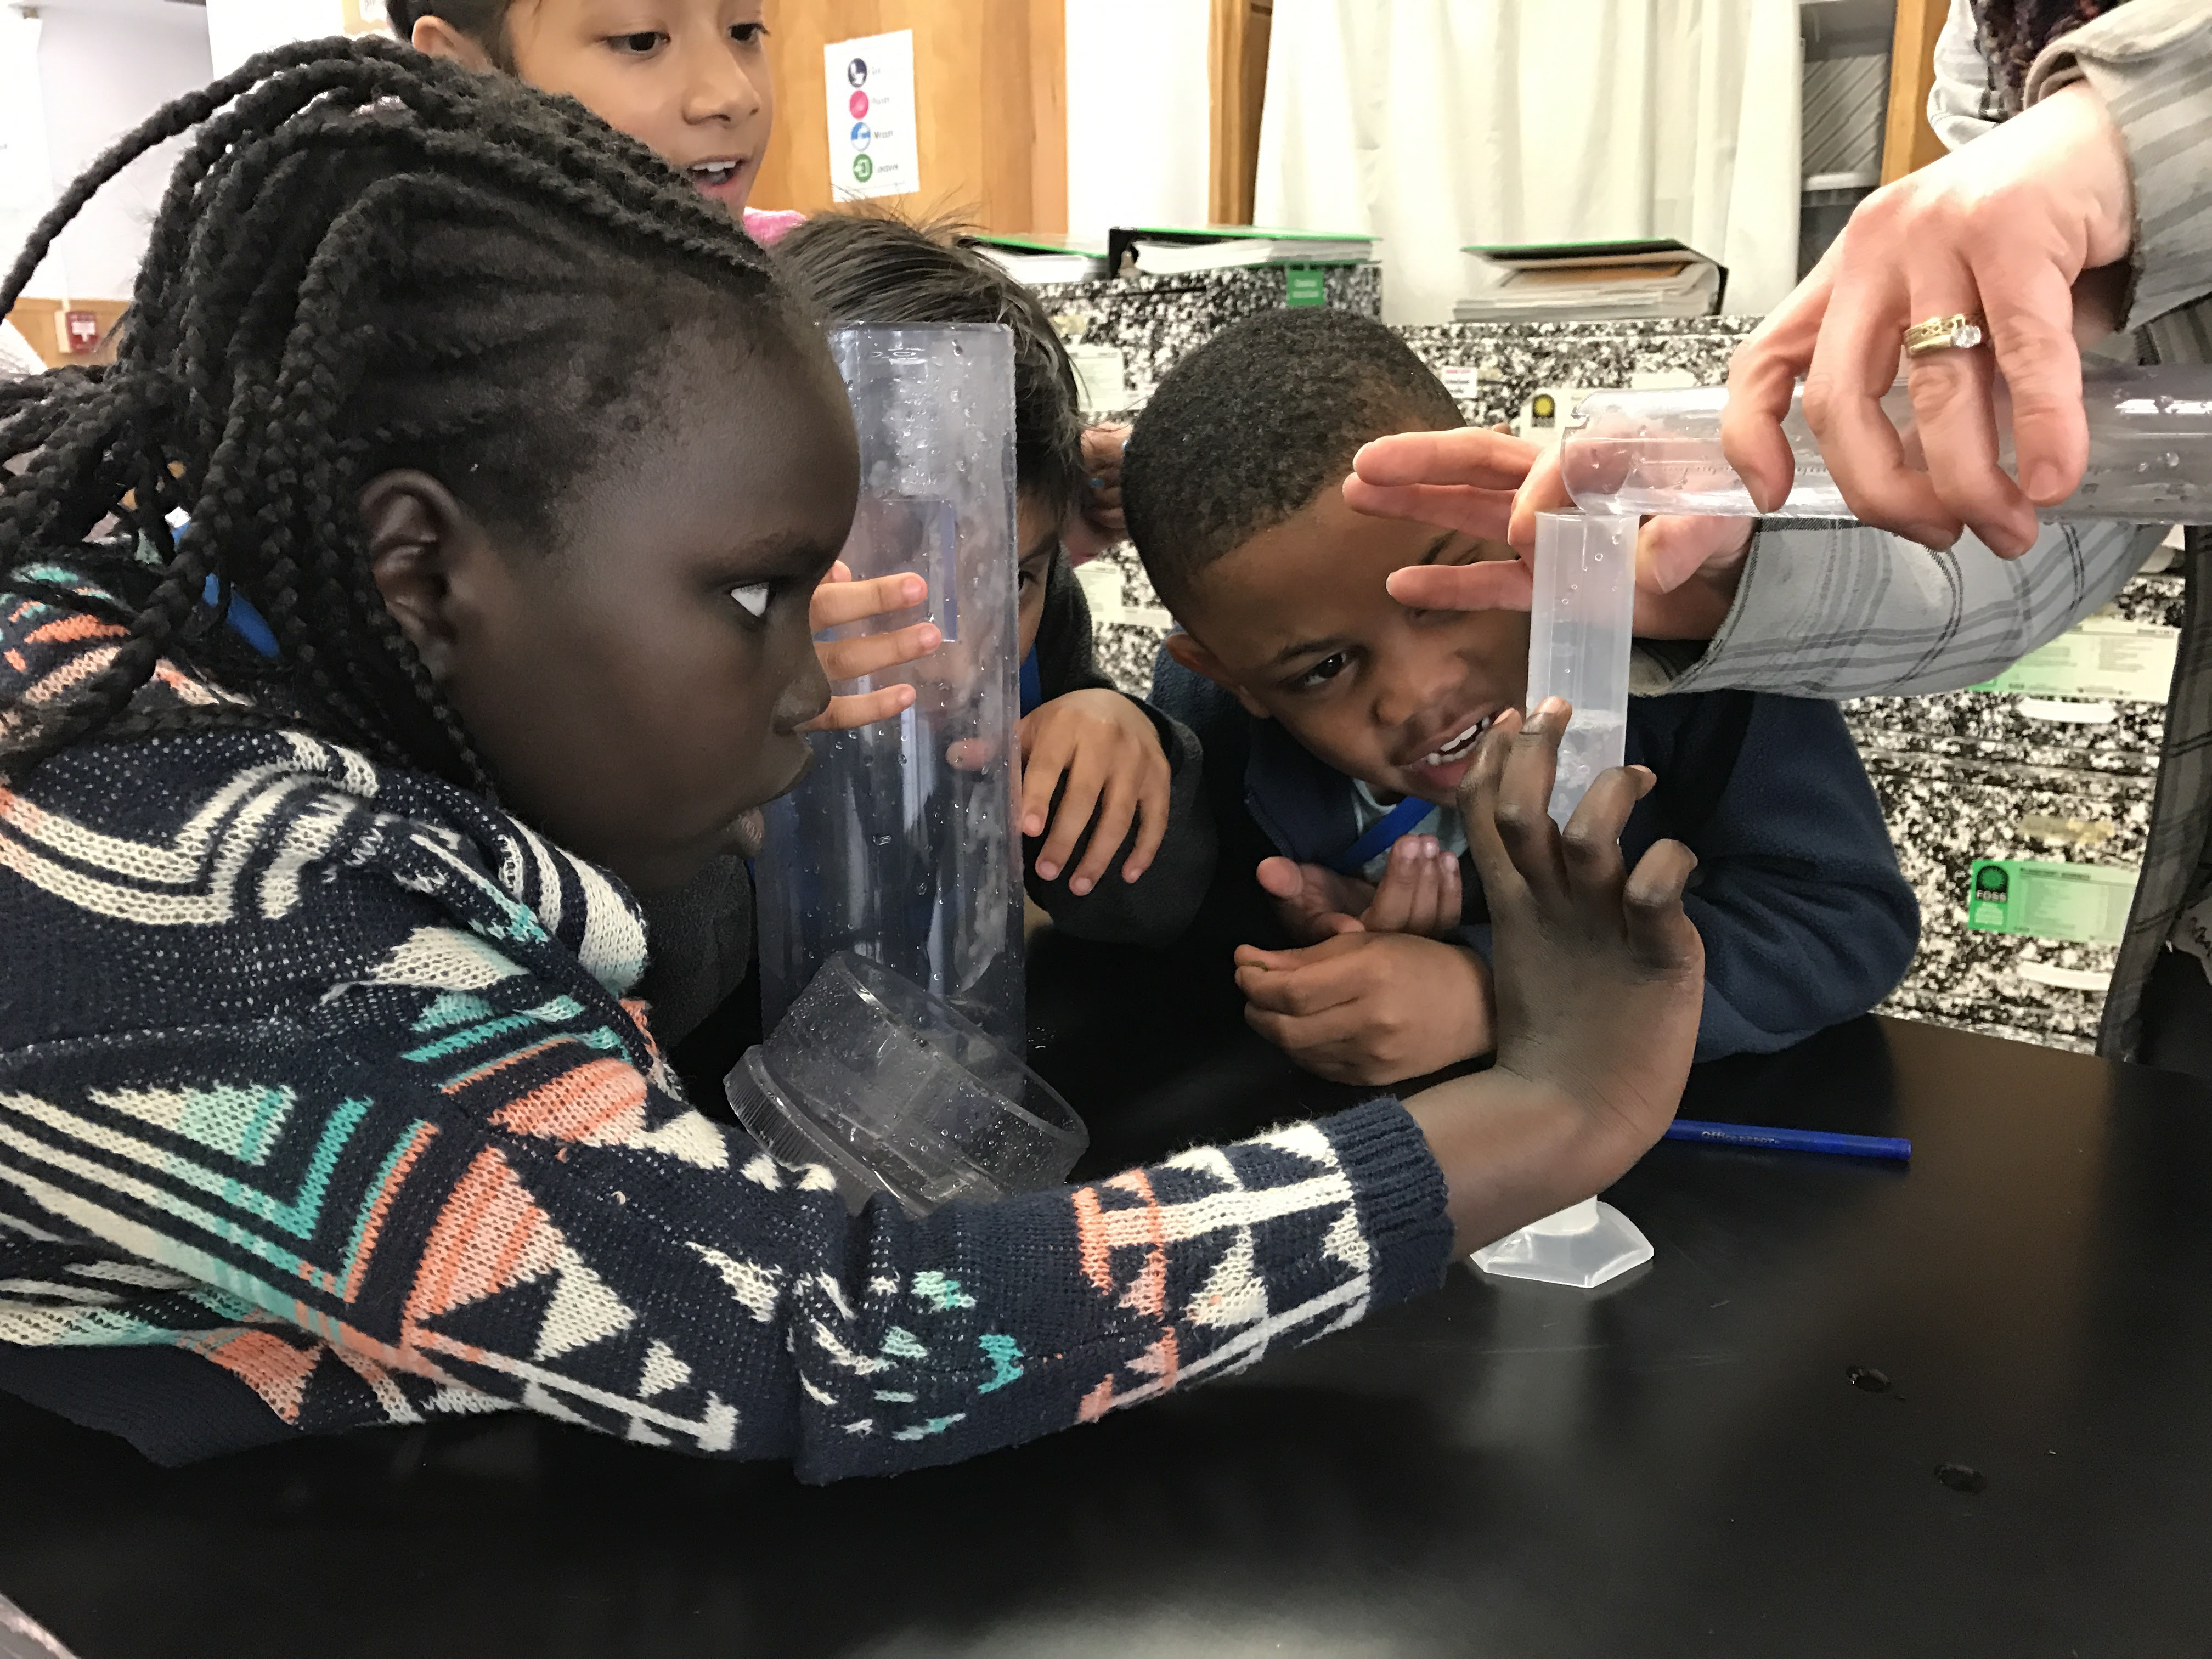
(1959,1477)
(2172,459)
(1868,1379)
(2142,467)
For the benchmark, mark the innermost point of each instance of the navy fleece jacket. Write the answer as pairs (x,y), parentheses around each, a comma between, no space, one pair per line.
(1806,919)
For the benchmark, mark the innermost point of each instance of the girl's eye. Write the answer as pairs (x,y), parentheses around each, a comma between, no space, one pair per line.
(1322,673)
(752,598)
(640,44)
(748,34)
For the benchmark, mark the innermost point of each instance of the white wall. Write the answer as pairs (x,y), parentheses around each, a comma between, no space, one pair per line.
(105,66)
(27,176)
(1139,114)
(236,29)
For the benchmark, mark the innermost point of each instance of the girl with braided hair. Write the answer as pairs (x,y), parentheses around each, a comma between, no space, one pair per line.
(323,1104)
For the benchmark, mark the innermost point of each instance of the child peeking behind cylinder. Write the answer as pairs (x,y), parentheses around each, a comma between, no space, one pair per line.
(1337,724)
(1118,843)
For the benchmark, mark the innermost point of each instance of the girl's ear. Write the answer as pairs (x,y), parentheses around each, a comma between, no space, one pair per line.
(1185,649)
(420,539)
(434,37)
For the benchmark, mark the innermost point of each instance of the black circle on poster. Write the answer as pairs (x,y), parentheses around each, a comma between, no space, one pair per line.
(856,72)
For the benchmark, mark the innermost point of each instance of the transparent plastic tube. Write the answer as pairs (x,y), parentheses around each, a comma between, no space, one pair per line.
(899,844)
(2150,452)
(1579,622)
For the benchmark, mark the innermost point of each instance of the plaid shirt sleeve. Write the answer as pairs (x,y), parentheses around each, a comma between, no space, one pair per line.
(1847,611)
(2151,62)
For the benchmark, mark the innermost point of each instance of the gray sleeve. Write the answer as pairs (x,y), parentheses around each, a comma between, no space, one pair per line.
(1848,611)
(2151,62)
(1965,101)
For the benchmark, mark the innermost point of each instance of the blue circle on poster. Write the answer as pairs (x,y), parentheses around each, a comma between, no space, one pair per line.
(861,134)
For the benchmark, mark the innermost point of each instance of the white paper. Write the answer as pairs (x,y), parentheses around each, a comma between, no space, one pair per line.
(873,148)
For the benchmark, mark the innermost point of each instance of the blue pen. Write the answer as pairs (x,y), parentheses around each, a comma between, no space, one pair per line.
(1790,1141)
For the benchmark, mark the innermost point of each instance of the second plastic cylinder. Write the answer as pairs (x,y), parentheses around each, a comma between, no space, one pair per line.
(899,843)
(2150,452)
(1581,616)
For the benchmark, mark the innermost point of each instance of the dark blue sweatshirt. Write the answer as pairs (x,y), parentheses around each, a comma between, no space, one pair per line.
(1806,918)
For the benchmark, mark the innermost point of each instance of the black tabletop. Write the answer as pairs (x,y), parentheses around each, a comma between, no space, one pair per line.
(1732,1450)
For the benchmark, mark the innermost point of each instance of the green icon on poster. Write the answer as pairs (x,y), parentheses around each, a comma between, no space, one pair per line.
(863,169)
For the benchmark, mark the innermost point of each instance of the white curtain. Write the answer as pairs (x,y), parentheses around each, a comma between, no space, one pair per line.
(1434,123)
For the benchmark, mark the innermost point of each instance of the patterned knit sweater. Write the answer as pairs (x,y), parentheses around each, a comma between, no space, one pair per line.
(321,1107)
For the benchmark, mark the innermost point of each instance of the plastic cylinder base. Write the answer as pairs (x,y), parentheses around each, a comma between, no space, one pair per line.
(1582,1246)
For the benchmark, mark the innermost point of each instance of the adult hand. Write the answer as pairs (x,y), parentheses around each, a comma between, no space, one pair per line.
(2002,227)
(839,600)
(1488,484)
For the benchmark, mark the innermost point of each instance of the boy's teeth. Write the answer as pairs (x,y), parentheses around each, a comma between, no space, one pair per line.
(1458,746)
(714,173)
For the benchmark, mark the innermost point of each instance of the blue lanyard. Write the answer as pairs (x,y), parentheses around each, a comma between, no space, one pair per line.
(1032,684)
(244,620)
(1381,835)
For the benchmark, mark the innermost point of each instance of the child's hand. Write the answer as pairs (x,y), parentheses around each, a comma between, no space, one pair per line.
(1109,754)
(1598,974)
(1369,1008)
(1420,893)
(1101,523)
(839,600)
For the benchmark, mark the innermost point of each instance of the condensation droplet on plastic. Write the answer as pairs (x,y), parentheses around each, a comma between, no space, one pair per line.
(1959,1477)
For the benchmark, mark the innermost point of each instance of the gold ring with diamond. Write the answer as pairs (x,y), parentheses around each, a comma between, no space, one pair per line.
(1957,332)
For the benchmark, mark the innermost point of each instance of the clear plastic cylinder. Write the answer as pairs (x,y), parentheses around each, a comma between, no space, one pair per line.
(899,844)
(2150,452)
(1581,616)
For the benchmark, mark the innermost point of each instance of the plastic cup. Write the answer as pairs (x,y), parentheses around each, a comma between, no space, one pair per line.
(893,1090)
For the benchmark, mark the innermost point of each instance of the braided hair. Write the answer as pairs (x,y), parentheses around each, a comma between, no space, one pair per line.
(369,259)
(2016,31)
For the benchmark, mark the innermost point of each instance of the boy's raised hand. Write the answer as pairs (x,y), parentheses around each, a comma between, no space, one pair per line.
(1598,974)
(1420,893)
(1101,523)
(1369,1008)
(1101,754)
(839,600)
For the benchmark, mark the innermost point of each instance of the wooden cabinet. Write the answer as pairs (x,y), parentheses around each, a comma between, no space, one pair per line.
(990,85)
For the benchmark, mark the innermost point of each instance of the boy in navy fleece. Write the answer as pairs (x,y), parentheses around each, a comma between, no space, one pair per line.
(1336,725)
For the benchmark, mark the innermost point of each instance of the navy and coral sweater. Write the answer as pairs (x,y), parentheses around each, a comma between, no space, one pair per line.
(1806,918)
(322,1107)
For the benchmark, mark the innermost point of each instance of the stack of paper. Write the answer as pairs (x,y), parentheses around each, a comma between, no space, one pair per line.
(1621,280)
(1175,252)
(1034,260)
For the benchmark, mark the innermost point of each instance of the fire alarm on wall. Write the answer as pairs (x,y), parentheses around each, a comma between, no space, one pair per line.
(77,332)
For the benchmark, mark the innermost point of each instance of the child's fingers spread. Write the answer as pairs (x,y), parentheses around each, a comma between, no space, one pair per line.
(838,602)
(1153,798)
(872,654)
(1659,932)
(1477,810)
(1117,811)
(1590,844)
(1522,812)
(865,708)
(1046,749)
(1085,781)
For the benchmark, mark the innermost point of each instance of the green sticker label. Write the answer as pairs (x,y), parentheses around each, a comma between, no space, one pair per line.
(2103,657)
(1304,285)
(2036,898)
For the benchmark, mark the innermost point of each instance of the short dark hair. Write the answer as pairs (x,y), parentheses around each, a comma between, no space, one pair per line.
(1252,426)
(876,267)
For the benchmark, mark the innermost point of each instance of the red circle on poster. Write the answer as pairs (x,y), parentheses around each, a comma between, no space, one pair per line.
(858,104)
